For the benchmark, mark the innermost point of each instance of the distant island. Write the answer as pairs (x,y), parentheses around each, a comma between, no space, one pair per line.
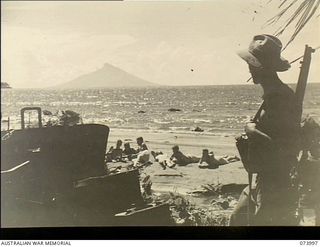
(108,76)
(5,85)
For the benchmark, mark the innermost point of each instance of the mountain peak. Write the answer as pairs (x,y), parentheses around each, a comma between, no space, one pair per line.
(108,65)
(107,77)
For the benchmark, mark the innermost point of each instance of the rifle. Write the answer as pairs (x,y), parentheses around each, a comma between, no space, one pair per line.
(300,92)
(302,84)
(303,77)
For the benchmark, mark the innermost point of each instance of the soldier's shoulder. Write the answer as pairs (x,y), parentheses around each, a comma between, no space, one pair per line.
(286,90)
(283,92)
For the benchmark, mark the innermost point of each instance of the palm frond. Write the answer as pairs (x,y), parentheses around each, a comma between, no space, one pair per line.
(277,17)
(303,22)
(282,3)
(301,16)
(291,19)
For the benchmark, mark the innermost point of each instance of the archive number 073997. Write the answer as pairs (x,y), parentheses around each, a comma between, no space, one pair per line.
(310,243)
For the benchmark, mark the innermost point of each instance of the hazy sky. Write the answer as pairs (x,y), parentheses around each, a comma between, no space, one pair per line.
(47,43)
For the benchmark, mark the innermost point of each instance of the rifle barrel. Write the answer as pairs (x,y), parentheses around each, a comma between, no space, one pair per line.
(303,76)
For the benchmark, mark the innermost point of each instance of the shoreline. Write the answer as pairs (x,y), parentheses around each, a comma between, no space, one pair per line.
(189,142)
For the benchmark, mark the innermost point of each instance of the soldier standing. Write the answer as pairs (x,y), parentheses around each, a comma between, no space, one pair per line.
(273,139)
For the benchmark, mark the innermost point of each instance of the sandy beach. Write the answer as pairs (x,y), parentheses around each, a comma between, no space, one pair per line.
(189,181)
(194,184)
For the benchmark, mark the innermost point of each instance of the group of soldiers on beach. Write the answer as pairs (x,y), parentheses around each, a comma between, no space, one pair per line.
(141,156)
(273,144)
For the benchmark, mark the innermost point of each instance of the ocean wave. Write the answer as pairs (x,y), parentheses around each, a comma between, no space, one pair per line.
(159,121)
(196,120)
(231,103)
(179,128)
(75,103)
(123,102)
(202,121)
(28,103)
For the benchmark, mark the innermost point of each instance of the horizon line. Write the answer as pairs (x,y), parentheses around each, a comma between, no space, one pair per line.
(158,85)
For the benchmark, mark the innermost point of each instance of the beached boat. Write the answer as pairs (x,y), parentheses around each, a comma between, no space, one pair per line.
(56,176)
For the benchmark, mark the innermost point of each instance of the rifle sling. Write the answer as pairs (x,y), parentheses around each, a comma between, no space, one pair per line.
(258,112)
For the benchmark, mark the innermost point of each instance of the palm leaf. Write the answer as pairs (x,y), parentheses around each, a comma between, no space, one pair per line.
(291,19)
(281,13)
(301,16)
(282,3)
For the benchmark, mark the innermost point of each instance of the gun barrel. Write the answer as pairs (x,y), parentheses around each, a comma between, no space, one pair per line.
(303,76)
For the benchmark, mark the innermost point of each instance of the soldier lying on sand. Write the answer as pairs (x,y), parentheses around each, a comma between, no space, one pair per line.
(207,160)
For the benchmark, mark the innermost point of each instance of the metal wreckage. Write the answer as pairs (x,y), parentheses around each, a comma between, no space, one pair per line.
(56,176)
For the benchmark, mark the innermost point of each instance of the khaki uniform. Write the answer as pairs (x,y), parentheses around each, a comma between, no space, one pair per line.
(274,198)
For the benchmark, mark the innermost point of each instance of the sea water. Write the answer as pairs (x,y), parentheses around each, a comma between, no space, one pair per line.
(214,109)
